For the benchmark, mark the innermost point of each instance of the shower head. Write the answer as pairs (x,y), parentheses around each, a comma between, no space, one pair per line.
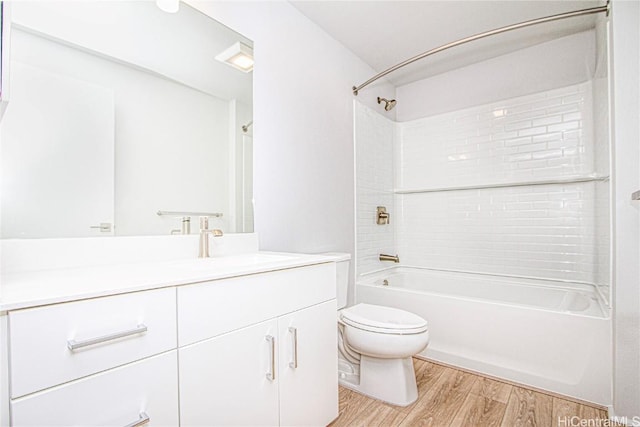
(388,103)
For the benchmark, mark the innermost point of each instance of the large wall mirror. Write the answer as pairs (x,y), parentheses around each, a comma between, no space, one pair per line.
(121,121)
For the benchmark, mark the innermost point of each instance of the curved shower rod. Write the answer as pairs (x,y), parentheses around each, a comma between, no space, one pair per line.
(524,24)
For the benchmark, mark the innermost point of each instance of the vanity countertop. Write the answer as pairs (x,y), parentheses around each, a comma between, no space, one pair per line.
(36,288)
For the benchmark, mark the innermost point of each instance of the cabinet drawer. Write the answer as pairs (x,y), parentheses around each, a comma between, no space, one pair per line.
(41,338)
(213,308)
(117,397)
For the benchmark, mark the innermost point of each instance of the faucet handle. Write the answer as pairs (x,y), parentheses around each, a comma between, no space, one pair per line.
(204,223)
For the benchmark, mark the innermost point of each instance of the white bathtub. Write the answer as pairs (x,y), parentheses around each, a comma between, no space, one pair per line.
(549,335)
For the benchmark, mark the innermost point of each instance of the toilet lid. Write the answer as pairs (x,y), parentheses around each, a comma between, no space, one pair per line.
(383,319)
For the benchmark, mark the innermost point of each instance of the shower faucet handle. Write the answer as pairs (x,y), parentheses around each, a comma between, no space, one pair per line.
(382,216)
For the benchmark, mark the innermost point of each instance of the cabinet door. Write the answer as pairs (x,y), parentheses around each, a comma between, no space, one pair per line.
(225,380)
(147,389)
(309,366)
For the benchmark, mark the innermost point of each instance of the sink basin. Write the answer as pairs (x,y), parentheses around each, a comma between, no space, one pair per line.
(245,260)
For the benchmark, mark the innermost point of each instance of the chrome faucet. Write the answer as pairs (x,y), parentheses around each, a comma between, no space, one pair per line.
(204,236)
(385,257)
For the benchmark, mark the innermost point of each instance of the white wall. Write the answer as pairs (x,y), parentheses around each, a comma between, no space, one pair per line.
(303,134)
(241,156)
(42,155)
(550,65)
(625,22)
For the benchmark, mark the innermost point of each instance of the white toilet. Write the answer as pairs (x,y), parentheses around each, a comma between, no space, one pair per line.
(375,345)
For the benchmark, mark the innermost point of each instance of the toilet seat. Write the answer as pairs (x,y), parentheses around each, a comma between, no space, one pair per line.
(385,320)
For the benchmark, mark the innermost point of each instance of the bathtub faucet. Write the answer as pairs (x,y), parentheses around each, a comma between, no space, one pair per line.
(385,257)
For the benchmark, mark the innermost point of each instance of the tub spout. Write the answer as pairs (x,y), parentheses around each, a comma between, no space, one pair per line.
(385,257)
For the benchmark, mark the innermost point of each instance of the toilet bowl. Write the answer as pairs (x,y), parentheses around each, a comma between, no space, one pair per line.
(376,346)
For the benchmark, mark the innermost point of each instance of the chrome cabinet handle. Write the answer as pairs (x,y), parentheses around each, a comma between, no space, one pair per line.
(144,419)
(271,374)
(294,337)
(635,195)
(75,345)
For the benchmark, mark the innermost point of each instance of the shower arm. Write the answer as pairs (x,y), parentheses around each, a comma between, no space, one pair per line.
(519,25)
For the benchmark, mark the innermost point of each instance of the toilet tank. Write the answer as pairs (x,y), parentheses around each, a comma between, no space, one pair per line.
(342,276)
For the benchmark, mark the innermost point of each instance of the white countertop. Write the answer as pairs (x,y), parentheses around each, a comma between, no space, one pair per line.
(36,288)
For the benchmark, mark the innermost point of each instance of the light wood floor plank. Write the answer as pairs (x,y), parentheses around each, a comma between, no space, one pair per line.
(562,411)
(479,411)
(441,402)
(528,408)
(492,389)
(426,376)
(450,397)
(350,405)
(376,415)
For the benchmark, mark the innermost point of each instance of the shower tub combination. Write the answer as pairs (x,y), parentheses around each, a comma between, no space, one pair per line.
(548,335)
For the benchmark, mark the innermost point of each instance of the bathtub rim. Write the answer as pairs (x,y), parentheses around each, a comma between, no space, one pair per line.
(605,310)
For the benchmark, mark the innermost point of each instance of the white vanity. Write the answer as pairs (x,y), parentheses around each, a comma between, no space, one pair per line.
(137,142)
(245,339)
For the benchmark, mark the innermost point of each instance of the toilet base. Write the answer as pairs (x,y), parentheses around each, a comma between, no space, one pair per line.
(390,380)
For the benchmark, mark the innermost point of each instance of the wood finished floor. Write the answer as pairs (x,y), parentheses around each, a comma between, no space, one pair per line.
(449,397)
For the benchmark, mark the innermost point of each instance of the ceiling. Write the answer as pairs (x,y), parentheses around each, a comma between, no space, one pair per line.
(179,46)
(384,33)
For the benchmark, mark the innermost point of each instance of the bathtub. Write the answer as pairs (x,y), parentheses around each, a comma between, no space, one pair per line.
(547,335)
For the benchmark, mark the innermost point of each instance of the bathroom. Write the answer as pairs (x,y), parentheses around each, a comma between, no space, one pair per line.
(305,178)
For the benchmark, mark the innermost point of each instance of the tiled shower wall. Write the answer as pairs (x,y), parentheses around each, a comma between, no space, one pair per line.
(553,231)
(548,231)
(540,136)
(374,187)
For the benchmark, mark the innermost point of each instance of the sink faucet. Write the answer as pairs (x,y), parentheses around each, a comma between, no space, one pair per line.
(204,236)
(385,257)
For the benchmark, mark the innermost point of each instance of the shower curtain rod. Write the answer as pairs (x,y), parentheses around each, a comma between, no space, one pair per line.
(524,24)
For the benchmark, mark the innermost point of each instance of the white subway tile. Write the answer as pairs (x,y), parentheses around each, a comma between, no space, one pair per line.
(532,131)
(553,231)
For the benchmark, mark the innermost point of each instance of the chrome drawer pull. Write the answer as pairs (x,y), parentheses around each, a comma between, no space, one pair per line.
(144,419)
(271,375)
(75,345)
(294,337)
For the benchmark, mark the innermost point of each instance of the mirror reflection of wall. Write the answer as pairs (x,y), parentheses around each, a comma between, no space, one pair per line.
(118,111)
(244,172)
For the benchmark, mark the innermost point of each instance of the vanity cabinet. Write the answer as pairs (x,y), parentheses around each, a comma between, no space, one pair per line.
(281,371)
(258,349)
(271,360)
